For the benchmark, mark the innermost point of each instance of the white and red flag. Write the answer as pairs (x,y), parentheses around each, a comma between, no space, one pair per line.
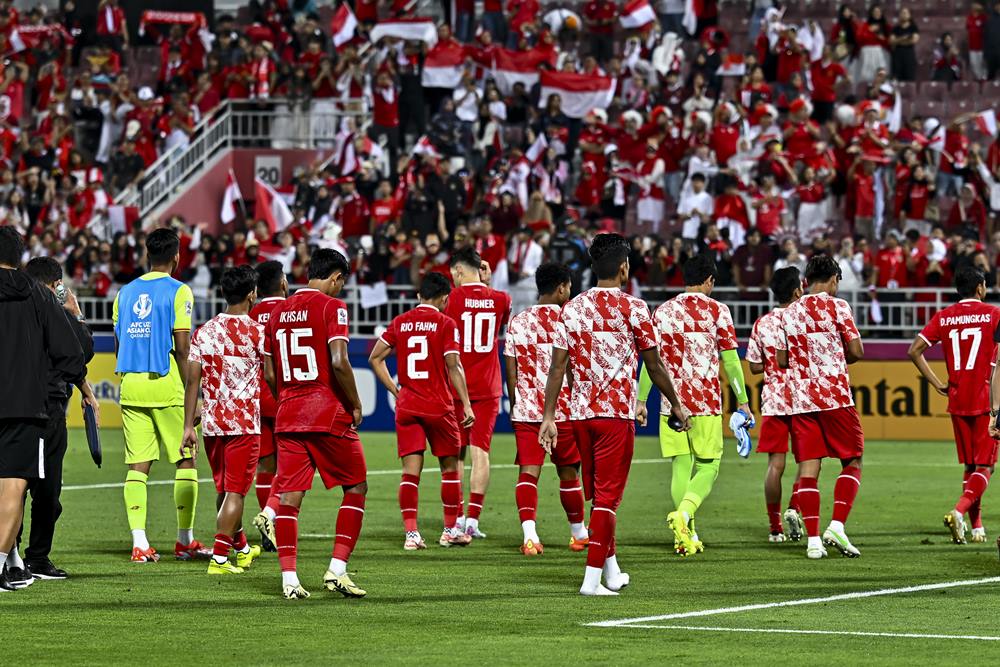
(986,121)
(636,14)
(230,197)
(342,26)
(510,67)
(580,93)
(443,66)
(537,150)
(271,207)
(414,29)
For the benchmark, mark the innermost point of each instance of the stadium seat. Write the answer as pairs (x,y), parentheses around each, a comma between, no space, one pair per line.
(936,91)
(990,92)
(964,90)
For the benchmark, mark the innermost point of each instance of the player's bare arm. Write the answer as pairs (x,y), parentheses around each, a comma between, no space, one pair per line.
(995,398)
(340,364)
(182,345)
(781,356)
(456,373)
(658,374)
(270,379)
(916,354)
(190,438)
(548,432)
(855,351)
(377,361)
(510,375)
(755,368)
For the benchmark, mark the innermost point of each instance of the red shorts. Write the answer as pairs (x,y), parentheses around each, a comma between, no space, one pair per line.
(530,453)
(774,433)
(266,436)
(606,447)
(413,432)
(233,459)
(339,460)
(481,433)
(973,441)
(831,433)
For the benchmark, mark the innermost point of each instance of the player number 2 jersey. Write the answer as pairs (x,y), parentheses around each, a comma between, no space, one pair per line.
(768,333)
(603,330)
(422,338)
(968,331)
(480,312)
(298,336)
(529,346)
(693,330)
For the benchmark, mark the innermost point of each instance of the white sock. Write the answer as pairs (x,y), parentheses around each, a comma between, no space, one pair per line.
(219,559)
(245,550)
(14,559)
(579,530)
(591,578)
(611,569)
(290,578)
(529,531)
(836,526)
(269,513)
(338,567)
(472,524)
(185,535)
(139,540)
(3,559)
(814,543)
(687,518)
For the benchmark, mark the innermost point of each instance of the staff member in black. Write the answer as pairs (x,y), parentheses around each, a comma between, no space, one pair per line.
(36,337)
(45,505)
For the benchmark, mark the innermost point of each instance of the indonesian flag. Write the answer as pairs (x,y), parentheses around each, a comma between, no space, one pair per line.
(986,121)
(415,29)
(636,14)
(271,207)
(342,26)
(443,66)
(579,92)
(425,147)
(732,65)
(690,20)
(510,67)
(122,218)
(537,149)
(229,199)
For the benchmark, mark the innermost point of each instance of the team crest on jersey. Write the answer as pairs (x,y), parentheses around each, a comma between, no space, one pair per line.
(143,306)
(342,317)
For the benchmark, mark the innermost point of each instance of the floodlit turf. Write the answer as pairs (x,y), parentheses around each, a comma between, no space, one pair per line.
(489,604)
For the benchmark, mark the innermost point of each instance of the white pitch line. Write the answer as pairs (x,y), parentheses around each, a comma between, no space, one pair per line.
(627,622)
(845,633)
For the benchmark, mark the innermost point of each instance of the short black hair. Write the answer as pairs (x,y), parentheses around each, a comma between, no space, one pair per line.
(11,246)
(269,275)
(784,282)
(162,245)
(698,176)
(822,268)
(433,286)
(550,275)
(44,269)
(325,262)
(967,279)
(698,269)
(466,257)
(607,253)
(237,282)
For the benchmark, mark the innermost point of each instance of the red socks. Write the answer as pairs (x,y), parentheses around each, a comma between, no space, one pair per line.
(793,502)
(845,491)
(808,496)
(526,495)
(240,540)
(475,505)
(349,518)
(264,481)
(409,493)
(571,495)
(451,497)
(976,508)
(222,545)
(774,516)
(974,488)
(286,533)
(602,535)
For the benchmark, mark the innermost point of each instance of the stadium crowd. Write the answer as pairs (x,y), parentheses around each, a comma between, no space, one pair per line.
(765,139)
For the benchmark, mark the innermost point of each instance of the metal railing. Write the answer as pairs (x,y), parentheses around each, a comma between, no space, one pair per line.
(901,317)
(273,123)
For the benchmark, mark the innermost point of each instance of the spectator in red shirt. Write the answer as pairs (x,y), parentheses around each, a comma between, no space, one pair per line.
(494,22)
(968,212)
(890,264)
(954,158)
(385,119)
(974,24)
(111,28)
(800,132)
(861,176)
(600,17)
(351,212)
(825,74)
(919,192)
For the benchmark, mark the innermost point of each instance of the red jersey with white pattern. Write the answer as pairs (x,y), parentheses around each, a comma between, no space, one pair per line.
(422,338)
(768,333)
(480,312)
(603,330)
(230,351)
(528,346)
(693,330)
(818,328)
(968,331)
(262,313)
(298,337)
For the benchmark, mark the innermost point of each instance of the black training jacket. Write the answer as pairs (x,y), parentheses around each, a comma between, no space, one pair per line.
(36,337)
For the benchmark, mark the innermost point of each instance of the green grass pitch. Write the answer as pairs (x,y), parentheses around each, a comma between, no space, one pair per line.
(488,603)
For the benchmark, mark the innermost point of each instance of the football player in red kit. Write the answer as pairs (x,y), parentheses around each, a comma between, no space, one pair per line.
(480,312)
(428,367)
(969,332)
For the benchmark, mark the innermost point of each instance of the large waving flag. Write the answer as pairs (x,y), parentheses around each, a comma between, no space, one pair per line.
(636,14)
(579,92)
(342,26)
(415,29)
(271,207)
(986,121)
(690,19)
(229,199)
(443,66)
(510,67)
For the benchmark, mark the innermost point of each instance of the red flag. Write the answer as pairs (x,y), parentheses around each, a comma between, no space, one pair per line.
(271,207)
(342,26)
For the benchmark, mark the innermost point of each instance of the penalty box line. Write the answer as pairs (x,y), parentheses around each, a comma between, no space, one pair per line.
(634,622)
